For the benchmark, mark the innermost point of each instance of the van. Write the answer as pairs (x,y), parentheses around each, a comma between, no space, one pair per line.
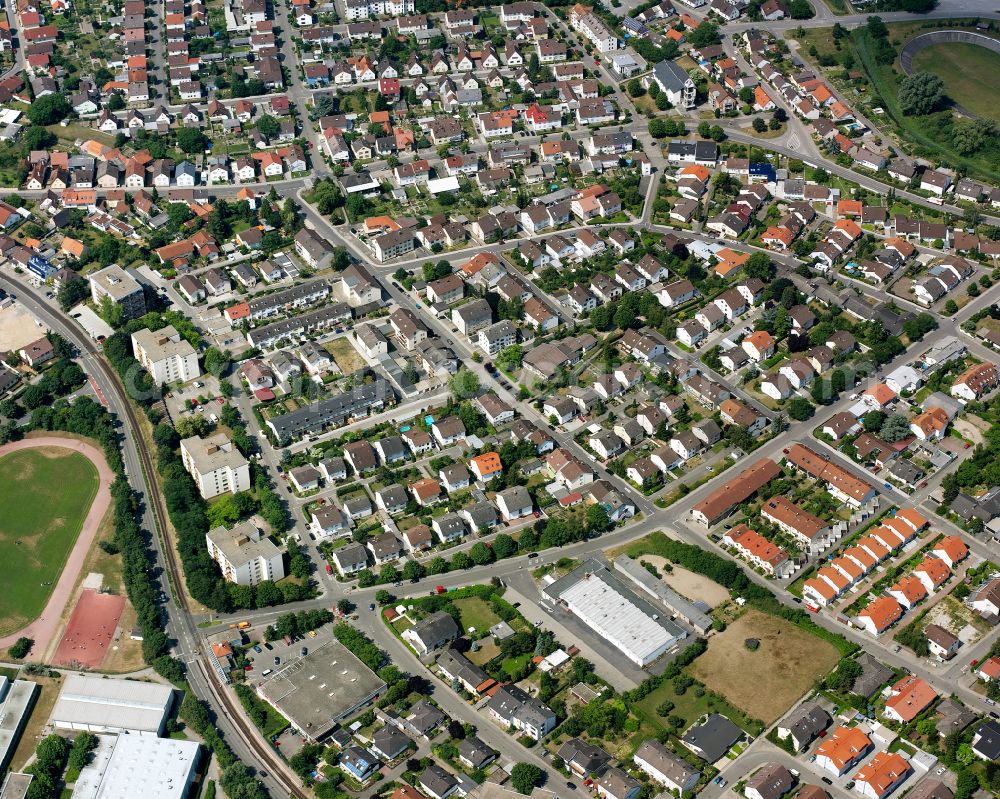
(266,672)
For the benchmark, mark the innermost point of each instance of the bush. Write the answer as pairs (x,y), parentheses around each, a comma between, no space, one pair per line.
(22,646)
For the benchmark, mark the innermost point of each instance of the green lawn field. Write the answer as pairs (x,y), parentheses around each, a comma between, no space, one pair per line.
(45,494)
(963,68)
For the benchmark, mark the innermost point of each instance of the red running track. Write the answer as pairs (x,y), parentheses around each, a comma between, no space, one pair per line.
(90,630)
(43,629)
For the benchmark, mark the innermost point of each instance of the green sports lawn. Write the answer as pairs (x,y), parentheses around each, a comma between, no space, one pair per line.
(963,68)
(45,495)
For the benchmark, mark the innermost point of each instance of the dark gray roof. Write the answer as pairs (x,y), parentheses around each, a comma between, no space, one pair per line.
(393,496)
(670,76)
(907,471)
(772,781)
(424,717)
(458,665)
(435,629)
(483,514)
(477,753)
(806,722)
(333,410)
(714,738)
(987,739)
(436,780)
(392,447)
(585,756)
(511,702)
(931,788)
(953,717)
(390,741)
(873,676)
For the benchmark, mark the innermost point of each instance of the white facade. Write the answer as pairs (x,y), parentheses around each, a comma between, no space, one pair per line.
(216,465)
(98,704)
(133,765)
(165,355)
(605,605)
(245,556)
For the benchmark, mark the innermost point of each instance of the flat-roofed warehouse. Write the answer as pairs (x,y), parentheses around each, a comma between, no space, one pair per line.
(317,691)
(609,607)
(15,786)
(126,766)
(100,704)
(17,698)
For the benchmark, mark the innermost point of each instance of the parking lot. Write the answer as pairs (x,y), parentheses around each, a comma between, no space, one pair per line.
(179,402)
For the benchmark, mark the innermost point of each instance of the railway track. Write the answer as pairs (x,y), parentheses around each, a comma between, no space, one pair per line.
(250,735)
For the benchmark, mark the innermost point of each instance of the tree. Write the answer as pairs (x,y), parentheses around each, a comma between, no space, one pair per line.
(21,648)
(504,546)
(970,137)
(412,570)
(759,266)
(40,138)
(525,777)
(759,125)
(657,128)
(920,93)
(895,428)
(510,358)
(842,678)
(464,384)
(597,518)
(268,126)
(481,554)
(79,755)
(705,34)
(72,292)
(48,110)
(191,140)
(800,9)
(800,409)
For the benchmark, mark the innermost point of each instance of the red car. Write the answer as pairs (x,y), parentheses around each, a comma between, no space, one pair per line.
(329,569)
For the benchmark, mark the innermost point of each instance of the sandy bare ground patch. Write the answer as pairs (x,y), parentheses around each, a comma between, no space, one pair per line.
(688,584)
(18,327)
(766,682)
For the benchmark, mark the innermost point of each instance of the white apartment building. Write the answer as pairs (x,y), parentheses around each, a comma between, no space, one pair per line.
(364,9)
(593,27)
(245,555)
(120,288)
(216,465)
(165,355)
